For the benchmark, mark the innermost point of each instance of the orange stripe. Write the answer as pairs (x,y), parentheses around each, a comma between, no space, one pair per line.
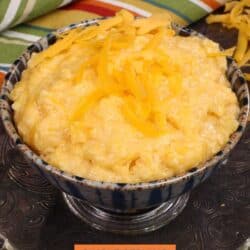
(212,3)
(1,78)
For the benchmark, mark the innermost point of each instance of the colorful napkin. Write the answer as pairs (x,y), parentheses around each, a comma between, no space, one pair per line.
(13,41)
(13,12)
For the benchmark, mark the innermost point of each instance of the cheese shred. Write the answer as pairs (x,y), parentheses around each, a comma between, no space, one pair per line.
(237,15)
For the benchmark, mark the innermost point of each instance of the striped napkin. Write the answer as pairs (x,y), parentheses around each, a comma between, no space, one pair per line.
(13,41)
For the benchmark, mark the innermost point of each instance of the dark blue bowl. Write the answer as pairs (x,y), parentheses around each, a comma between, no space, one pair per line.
(116,196)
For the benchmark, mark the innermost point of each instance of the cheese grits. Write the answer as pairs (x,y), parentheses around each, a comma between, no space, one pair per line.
(126,101)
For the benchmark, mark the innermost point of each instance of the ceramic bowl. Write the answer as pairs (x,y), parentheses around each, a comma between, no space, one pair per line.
(119,196)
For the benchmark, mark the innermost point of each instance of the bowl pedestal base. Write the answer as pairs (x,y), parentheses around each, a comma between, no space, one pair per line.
(127,223)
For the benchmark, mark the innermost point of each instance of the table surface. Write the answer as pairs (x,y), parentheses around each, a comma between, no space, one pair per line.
(33,214)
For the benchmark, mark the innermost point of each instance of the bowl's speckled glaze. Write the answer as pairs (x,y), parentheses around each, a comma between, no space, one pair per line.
(116,196)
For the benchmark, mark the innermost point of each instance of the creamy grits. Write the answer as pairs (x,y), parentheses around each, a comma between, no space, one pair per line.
(126,101)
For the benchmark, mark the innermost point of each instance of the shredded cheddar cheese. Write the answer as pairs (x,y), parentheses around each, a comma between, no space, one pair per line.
(237,16)
(127,100)
(130,84)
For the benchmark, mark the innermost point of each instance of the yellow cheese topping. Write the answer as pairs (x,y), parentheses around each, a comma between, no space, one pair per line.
(237,15)
(126,101)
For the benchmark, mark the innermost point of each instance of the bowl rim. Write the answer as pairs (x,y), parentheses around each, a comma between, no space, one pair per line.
(7,119)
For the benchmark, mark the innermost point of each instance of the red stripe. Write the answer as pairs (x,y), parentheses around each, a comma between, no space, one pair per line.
(96,7)
(101,11)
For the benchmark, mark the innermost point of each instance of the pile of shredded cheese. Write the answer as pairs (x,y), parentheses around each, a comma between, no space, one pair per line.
(127,100)
(237,15)
(128,79)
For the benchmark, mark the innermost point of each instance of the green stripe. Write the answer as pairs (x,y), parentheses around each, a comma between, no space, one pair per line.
(28,29)
(15,39)
(3,8)
(31,26)
(11,52)
(42,7)
(20,11)
(183,8)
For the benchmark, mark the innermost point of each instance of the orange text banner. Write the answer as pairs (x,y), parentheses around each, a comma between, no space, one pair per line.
(125,247)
